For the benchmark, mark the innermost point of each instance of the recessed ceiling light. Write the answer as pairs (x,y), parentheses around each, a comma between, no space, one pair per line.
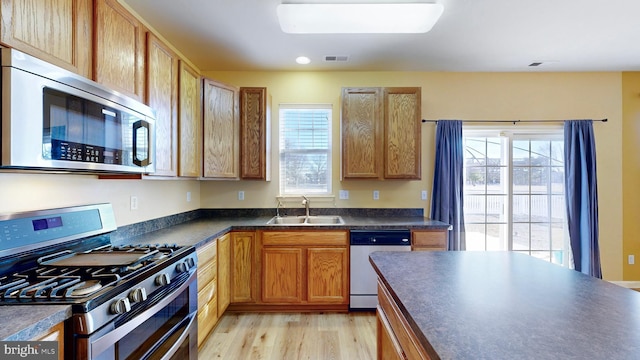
(358,18)
(303,60)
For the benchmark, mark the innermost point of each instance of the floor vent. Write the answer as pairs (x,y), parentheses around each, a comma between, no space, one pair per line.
(332,58)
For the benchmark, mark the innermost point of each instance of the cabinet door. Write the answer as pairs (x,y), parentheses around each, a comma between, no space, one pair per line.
(327,275)
(402,133)
(57,31)
(119,49)
(162,96)
(429,240)
(282,275)
(221,130)
(255,134)
(361,133)
(56,333)
(188,121)
(224,273)
(242,263)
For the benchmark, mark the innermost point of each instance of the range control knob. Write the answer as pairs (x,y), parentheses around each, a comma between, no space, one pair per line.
(138,295)
(163,279)
(191,262)
(120,306)
(182,267)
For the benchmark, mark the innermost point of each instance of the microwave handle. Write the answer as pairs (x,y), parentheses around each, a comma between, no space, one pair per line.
(137,125)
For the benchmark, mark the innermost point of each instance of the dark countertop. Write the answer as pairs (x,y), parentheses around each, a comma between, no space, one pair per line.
(200,231)
(507,305)
(23,322)
(26,322)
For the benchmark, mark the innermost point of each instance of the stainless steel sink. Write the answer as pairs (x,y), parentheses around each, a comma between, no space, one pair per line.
(304,220)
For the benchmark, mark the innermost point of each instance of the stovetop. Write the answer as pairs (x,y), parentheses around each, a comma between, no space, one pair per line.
(64,256)
(76,278)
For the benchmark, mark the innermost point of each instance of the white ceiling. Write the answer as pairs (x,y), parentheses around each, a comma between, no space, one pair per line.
(471,35)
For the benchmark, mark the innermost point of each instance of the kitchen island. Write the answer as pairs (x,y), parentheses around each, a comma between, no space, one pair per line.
(501,305)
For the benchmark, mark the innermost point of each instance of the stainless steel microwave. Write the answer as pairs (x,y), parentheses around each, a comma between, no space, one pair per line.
(55,119)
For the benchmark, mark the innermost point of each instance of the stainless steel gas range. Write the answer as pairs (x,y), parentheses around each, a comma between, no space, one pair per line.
(128,302)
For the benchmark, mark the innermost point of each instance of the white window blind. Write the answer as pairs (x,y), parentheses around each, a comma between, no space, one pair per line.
(305,149)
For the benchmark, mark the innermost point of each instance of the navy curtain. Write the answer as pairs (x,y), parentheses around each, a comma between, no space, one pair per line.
(581,190)
(446,197)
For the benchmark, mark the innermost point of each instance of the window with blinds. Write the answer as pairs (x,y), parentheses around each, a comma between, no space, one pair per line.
(305,149)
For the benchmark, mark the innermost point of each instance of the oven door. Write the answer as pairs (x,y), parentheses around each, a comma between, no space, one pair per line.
(165,326)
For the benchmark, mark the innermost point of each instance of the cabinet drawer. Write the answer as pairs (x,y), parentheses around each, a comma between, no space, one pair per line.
(399,326)
(207,293)
(304,238)
(429,240)
(207,273)
(207,252)
(207,319)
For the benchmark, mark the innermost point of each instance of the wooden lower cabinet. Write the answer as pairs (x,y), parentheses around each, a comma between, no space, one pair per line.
(327,275)
(56,333)
(207,289)
(395,339)
(224,272)
(243,265)
(429,240)
(305,268)
(282,275)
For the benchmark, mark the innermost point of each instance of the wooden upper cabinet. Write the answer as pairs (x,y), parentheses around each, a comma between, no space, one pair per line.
(162,96)
(402,132)
(381,134)
(220,131)
(361,126)
(57,31)
(189,119)
(255,134)
(118,49)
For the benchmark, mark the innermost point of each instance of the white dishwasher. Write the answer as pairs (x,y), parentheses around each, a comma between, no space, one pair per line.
(364,281)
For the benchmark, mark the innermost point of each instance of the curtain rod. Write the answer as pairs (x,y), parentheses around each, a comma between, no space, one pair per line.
(509,121)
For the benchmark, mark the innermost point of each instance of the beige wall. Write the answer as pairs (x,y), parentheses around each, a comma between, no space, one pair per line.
(526,96)
(631,174)
(156,198)
(445,95)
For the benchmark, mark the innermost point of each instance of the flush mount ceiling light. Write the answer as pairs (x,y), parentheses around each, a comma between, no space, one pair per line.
(358,18)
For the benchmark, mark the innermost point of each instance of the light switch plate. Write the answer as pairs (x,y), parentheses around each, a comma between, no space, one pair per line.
(424,195)
(376,195)
(240,195)
(344,194)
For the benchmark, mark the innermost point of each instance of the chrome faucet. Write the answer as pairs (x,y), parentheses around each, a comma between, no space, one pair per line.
(280,205)
(306,203)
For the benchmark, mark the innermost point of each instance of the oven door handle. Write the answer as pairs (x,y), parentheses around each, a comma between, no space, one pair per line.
(176,345)
(107,340)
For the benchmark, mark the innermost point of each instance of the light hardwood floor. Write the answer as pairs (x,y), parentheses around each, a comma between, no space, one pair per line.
(350,336)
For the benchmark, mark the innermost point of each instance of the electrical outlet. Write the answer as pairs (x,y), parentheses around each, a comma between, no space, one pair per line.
(376,195)
(134,202)
(188,196)
(424,195)
(344,194)
(632,259)
(241,195)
